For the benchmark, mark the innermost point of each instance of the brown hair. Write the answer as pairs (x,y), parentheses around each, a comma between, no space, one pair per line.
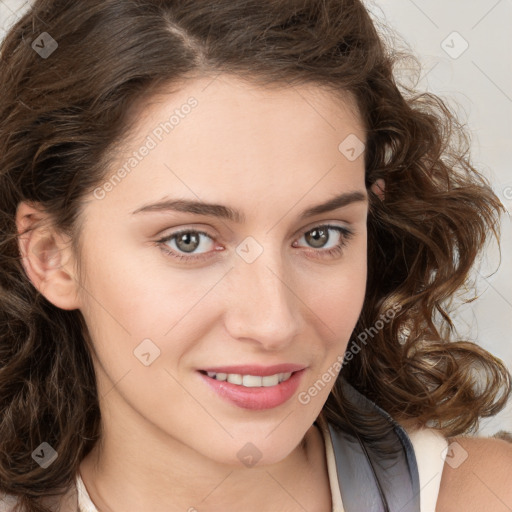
(503,434)
(62,117)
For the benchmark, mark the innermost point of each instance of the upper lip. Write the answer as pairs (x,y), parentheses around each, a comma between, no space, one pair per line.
(257,370)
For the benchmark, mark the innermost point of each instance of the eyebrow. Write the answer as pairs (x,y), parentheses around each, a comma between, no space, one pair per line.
(225,212)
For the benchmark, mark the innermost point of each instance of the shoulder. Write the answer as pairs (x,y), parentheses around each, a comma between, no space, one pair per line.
(7,502)
(477,476)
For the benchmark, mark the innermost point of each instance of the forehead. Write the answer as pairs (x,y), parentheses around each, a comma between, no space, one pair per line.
(221,137)
(226,105)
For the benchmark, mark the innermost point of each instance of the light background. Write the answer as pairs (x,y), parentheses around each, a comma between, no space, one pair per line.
(477,82)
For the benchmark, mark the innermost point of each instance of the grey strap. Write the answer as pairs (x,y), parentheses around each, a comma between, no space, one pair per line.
(370,480)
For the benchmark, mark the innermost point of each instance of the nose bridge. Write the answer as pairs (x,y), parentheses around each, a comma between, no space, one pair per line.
(263,306)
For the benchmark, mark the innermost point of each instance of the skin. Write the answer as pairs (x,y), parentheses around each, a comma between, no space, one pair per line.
(169,442)
(482,482)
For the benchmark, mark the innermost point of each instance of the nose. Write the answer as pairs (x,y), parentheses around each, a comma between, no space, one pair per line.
(262,305)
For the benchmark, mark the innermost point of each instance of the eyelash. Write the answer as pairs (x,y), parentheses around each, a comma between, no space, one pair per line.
(334,251)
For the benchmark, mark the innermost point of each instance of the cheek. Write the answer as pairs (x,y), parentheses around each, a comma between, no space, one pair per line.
(336,304)
(135,307)
(136,291)
(336,296)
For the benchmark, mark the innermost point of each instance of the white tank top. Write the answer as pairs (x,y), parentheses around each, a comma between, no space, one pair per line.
(429,448)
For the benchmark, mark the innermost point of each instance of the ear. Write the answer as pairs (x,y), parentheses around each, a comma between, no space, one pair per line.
(378,188)
(46,256)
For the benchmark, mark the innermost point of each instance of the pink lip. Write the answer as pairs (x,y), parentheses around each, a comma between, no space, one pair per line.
(256,398)
(256,370)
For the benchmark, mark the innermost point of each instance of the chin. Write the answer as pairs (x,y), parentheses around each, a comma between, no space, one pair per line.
(258,448)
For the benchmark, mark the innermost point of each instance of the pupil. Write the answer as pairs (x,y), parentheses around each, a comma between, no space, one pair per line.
(317,235)
(189,238)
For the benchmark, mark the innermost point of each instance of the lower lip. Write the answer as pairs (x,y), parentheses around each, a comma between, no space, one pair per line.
(256,398)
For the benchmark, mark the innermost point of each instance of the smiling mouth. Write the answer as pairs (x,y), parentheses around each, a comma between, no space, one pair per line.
(274,386)
(249,381)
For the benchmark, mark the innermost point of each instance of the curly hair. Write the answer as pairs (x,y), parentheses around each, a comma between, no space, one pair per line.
(63,117)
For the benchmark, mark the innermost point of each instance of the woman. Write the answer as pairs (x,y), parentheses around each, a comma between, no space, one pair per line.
(228,242)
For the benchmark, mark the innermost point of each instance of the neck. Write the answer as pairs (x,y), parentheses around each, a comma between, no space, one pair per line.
(160,473)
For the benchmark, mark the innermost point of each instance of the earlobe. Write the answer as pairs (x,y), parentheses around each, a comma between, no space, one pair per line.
(378,188)
(46,257)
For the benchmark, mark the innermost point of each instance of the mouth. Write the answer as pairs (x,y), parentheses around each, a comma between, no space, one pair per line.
(253,387)
(249,381)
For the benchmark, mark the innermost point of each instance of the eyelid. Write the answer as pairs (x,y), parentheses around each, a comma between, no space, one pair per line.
(299,232)
(322,223)
(346,235)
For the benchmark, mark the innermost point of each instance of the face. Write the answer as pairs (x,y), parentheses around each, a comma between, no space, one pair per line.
(179,298)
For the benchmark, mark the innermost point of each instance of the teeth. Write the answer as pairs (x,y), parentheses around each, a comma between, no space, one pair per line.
(270,380)
(235,378)
(251,381)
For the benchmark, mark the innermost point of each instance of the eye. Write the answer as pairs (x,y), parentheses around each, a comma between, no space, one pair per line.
(186,241)
(319,236)
(181,245)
